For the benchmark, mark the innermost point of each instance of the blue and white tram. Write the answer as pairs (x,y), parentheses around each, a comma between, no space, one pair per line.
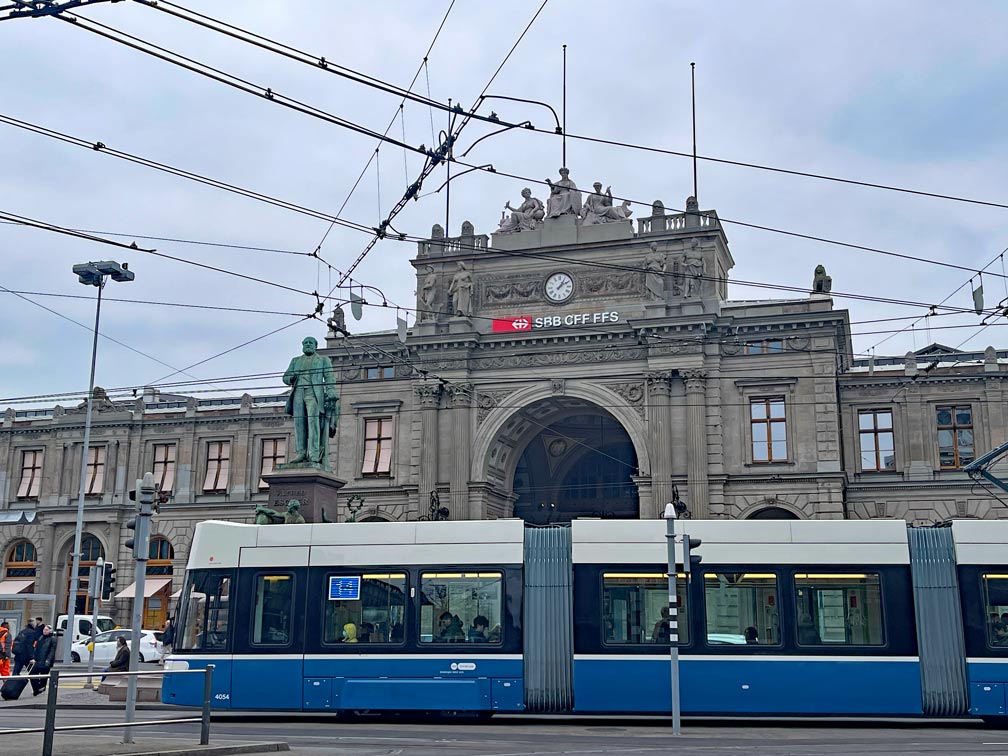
(824,618)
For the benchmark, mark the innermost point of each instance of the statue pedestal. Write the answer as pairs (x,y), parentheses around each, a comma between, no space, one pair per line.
(315,490)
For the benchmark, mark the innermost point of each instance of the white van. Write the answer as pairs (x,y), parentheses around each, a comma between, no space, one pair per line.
(84,626)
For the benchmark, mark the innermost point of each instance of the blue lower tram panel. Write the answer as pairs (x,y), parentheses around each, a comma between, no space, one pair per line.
(766,685)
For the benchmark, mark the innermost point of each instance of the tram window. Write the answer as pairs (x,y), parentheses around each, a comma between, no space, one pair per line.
(273,610)
(839,610)
(741,608)
(635,608)
(376,617)
(995,591)
(203,613)
(460,607)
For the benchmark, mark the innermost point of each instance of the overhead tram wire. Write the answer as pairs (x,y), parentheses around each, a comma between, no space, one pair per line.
(100,333)
(182,173)
(189,305)
(442,153)
(379,84)
(435,159)
(371,156)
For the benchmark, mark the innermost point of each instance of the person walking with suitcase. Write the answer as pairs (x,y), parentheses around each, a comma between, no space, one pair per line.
(5,649)
(24,647)
(45,657)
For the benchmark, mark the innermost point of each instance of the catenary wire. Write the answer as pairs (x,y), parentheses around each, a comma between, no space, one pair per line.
(270,44)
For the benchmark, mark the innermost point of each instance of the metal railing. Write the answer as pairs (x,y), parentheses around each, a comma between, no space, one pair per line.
(54,676)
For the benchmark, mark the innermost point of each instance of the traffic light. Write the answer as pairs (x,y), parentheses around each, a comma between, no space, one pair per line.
(131,542)
(108,581)
(690,560)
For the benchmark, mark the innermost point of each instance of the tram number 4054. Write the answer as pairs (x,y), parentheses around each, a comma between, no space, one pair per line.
(222,697)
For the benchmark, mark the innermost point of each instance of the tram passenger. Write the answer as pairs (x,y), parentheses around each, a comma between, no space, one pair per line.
(808,634)
(1001,635)
(349,633)
(478,631)
(366,633)
(660,631)
(494,636)
(450,629)
(751,635)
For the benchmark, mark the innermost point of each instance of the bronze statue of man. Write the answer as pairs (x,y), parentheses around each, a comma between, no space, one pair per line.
(314,404)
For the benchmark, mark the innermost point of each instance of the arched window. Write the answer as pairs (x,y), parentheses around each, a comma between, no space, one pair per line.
(20,561)
(91,549)
(159,556)
(773,513)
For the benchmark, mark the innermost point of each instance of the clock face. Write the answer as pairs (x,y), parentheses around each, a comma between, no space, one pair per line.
(559,287)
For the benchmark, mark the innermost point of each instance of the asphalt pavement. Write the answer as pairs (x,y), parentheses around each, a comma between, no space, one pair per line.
(312,735)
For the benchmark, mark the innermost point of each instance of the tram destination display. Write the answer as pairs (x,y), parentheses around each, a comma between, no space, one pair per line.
(344,588)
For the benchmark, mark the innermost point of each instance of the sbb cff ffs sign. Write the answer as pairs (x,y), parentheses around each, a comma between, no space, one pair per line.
(522,323)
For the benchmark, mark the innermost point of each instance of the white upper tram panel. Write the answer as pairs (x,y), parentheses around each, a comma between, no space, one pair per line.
(769,542)
(980,541)
(223,544)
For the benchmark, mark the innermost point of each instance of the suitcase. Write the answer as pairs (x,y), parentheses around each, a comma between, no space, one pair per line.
(12,688)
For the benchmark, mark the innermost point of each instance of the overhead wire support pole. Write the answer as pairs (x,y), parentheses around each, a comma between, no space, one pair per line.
(693,93)
(71,626)
(563,158)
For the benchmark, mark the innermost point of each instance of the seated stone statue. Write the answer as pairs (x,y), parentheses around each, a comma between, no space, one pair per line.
(293,516)
(527,217)
(598,207)
(266,516)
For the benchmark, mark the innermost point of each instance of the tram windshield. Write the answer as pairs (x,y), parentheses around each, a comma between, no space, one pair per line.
(203,612)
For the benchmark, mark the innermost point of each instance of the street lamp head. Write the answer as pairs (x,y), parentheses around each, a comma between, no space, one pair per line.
(92,273)
(670,511)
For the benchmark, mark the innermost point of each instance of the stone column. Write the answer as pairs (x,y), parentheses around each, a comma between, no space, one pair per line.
(660,426)
(461,399)
(428,397)
(696,442)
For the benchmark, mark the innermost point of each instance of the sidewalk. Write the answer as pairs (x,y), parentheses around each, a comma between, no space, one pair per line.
(78,744)
(73,695)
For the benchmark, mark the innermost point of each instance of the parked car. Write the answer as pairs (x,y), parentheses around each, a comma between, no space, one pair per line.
(105,646)
(84,625)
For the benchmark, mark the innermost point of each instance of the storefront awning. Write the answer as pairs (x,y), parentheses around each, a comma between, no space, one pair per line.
(151,586)
(8,587)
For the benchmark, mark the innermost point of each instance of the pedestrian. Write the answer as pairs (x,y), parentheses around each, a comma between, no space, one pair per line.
(45,657)
(167,639)
(5,649)
(24,647)
(39,624)
(122,658)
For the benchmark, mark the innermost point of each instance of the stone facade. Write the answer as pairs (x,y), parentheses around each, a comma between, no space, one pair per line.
(568,370)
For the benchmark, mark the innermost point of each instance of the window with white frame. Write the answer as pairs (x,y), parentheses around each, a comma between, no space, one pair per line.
(875,431)
(94,481)
(218,466)
(377,446)
(164,467)
(31,474)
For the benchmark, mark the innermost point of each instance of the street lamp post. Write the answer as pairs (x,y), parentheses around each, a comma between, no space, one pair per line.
(89,274)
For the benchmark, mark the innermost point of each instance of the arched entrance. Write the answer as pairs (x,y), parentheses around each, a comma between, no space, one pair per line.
(564,457)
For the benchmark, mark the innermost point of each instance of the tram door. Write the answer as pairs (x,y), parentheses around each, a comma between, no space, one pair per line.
(267,669)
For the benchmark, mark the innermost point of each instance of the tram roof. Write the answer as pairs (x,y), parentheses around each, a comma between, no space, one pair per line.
(980,541)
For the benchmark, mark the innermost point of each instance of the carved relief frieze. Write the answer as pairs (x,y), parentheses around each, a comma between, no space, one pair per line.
(684,346)
(487,401)
(560,358)
(632,393)
(526,288)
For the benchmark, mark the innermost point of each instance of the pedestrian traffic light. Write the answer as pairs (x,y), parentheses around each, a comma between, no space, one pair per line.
(690,560)
(131,524)
(108,581)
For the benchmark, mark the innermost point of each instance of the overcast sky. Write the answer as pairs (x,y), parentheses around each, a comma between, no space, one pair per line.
(904,93)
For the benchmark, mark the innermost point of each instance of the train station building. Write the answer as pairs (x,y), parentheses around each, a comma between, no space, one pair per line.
(583,365)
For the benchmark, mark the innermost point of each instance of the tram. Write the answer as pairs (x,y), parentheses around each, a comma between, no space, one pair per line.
(782,618)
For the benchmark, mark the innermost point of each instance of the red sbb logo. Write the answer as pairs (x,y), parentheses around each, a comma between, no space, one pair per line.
(510,325)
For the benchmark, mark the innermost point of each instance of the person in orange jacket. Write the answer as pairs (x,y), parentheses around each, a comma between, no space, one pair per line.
(5,649)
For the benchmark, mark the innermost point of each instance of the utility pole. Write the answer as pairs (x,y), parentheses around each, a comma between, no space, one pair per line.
(145,492)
